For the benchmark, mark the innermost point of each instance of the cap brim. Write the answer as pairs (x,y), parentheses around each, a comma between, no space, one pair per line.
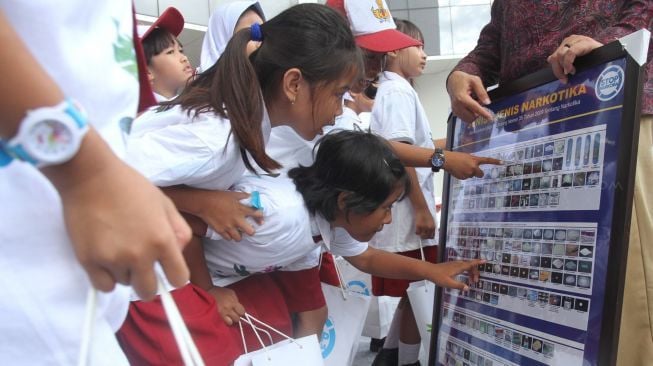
(170,20)
(386,41)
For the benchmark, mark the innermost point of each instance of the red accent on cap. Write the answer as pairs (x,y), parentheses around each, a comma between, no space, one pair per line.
(170,20)
(382,41)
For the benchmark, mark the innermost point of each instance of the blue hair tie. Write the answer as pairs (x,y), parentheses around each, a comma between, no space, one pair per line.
(256,33)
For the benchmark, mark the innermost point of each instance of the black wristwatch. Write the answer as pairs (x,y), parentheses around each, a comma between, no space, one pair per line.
(437,160)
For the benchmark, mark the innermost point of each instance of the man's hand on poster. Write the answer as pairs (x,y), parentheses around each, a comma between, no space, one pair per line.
(465,92)
(562,59)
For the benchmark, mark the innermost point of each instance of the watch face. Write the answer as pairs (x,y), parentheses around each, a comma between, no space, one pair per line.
(437,160)
(50,140)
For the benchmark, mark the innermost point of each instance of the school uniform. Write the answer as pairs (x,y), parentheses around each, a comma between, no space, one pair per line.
(398,115)
(44,286)
(171,148)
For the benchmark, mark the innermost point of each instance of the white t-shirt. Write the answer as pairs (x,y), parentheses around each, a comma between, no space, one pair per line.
(283,242)
(398,115)
(291,150)
(87,48)
(171,148)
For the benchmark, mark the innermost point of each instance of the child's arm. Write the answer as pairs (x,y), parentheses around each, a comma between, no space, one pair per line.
(118,223)
(460,165)
(229,307)
(221,210)
(424,222)
(390,265)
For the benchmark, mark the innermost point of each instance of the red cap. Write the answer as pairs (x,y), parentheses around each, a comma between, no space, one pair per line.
(372,25)
(170,20)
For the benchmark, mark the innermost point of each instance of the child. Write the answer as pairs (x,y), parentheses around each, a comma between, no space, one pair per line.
(306,62)
(398,116)
(345,197)
(81,206)
(227,19)
(168,68)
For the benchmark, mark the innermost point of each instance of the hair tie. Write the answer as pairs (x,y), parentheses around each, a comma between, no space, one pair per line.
(256,33)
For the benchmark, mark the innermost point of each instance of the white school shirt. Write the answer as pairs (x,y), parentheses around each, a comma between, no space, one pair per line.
(87,48)
(291,150)
(283,242)
(171,148)
(398,115)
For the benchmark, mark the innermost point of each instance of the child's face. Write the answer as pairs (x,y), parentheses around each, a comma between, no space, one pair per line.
(320,106)
(409,62)
(362,227)
(169,70)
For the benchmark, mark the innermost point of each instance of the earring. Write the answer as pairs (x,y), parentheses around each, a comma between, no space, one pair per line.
(292,101)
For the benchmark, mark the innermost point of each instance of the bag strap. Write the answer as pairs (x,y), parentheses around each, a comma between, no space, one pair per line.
(341,279)
(247,318)
(421,252)
(187,348)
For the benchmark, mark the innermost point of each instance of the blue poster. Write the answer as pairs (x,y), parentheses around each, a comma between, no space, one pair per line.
(542,221)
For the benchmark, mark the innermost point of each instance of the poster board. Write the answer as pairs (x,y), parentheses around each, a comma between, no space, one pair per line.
(552,223)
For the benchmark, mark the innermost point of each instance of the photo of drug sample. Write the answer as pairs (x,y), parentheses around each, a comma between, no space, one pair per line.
(579,142)
(597,148)
(586,151)
(559,148)
(570,146)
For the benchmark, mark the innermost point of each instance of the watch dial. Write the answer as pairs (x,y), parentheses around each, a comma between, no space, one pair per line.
(50,138)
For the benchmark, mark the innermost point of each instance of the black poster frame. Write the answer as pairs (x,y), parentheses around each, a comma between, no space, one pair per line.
(623,191)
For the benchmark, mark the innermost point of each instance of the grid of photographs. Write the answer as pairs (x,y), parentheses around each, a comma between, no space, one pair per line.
(549,256)
(535,175)
(458,355)
(500,335)
(489,293)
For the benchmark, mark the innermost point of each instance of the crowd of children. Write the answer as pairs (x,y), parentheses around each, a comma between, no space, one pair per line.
(263,154)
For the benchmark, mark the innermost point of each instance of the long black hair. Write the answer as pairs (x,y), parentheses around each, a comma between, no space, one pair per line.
(358,163)
(311,37)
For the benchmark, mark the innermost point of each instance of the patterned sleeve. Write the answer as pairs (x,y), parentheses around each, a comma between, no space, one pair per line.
(484,60)
(635,15)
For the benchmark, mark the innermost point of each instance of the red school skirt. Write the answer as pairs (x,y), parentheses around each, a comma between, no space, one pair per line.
(397,288)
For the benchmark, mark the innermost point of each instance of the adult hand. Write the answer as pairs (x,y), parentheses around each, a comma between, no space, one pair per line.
(562,59)
(463,165)
(443,273)
(223,212)
(228,305)
(424,223)
(118,222)
(462,87)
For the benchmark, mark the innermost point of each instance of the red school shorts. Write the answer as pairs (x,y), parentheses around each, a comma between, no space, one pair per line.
(147,339)
(397,288)
(301,289)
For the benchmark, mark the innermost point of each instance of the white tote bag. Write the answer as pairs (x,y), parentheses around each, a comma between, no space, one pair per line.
(301,351)
(382,308)
(421,295)
(189,352)
(347,312)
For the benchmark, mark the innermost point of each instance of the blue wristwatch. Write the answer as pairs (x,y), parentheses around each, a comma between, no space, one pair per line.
(437,160)
(47,136)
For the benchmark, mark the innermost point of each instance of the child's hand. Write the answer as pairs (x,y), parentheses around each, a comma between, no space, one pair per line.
(424,223)
(223,212)
(443,273)
(463,165)
(229,307)
(118,222)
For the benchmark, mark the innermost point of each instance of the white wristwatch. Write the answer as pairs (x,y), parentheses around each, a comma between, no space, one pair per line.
(47,135)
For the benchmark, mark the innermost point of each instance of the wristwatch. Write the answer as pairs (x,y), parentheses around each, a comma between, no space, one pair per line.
(437,160)
(47,135)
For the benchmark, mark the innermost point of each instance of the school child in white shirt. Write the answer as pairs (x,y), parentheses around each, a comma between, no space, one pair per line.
(345,197)
(225,20)
(306,61)
(168,68)
(399,116)
(73,215)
